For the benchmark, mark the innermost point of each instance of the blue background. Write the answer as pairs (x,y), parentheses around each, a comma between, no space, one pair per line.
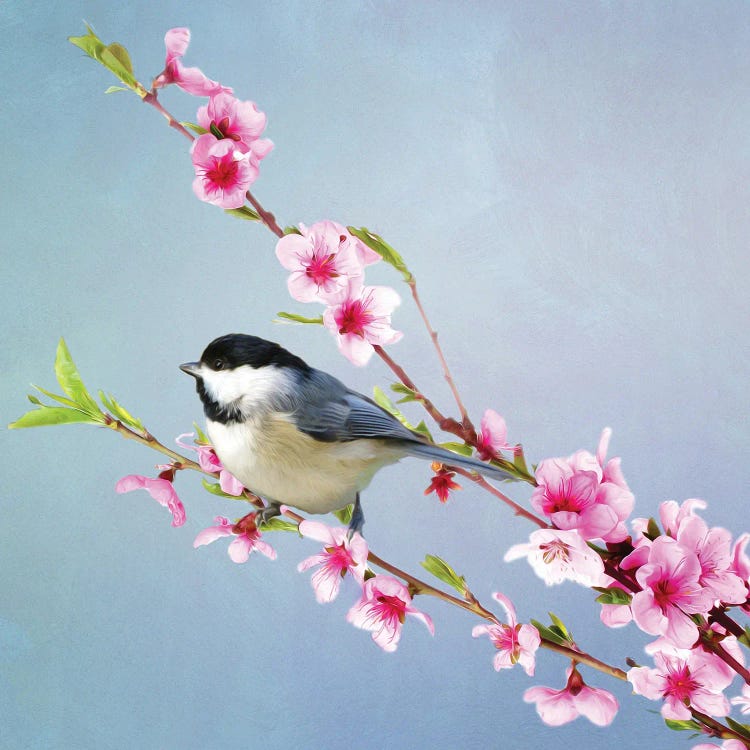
(569,183)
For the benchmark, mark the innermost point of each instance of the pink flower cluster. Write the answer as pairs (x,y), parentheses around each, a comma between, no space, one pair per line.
(384,601)
(669,583)
(226,158)
(327,265)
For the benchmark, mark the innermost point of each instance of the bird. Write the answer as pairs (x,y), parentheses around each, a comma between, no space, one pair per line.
(297,436)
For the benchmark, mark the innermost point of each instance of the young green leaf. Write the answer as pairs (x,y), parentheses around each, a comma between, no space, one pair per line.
(652,530)
(243,212)
(291,230)
(71,383)
(408,393)
(278,524)
(215,489)
(440,569)
(460,448)
(345,514)
(550,634)
(120,412)
(382,400)
(114,89)
(612,596)
(384,250)
(50,415)
(683,725)
(294,318)
(55,397)
(559,626)
(197,129)
(202,437)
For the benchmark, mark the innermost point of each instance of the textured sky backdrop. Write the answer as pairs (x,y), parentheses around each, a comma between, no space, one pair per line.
(569,183)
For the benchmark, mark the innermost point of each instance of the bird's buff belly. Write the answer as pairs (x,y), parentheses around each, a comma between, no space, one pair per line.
(274,460)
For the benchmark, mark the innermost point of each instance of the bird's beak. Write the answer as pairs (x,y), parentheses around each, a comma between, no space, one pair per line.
(192,368)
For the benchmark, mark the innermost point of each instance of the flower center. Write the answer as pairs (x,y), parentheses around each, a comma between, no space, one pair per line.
(354,318)
(223,172)
(321,268)
(391,608)
(553,551)
(680,684)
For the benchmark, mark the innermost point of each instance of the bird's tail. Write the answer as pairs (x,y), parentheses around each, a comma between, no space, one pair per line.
(436,453)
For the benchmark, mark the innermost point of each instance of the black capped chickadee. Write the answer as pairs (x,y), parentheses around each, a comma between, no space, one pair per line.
(297,436)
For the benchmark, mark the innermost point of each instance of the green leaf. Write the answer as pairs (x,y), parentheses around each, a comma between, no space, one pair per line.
(440,569)
(202,437)
(120,412)
(422,429)
(384,250)
(408,393)
(549,634)
(652,530)
(55,397)
(197,129)
(559,626)
(345,514)
(49,415)
(113,56)
(122,56)
(460,448)
(71,383)
(278,524)
(683,725)
(90,43)
(243,212)
(113,89)
(294,318)
(519,462)
(34,399)
(612,596)
(291,230)
(382,400)
(743,729)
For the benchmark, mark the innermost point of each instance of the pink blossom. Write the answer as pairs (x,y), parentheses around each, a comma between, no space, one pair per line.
(362,320)
(226,117)
(492,437)
(442,483)
(557,556)
(222,172)
(341,555)
(740,561)
(557,707)
(515,644)
(672,514)
(682,680)
(382,609)
(725,745)
(209,461)
(247,538)
(743,701)
(671,593)
(712,548)
(161,489)
(323,259)
(191,80)
(581,492)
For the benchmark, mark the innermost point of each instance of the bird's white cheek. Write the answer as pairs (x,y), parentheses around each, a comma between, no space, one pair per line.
(248,385)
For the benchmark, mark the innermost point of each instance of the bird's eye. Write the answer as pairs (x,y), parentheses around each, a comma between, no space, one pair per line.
(218,364)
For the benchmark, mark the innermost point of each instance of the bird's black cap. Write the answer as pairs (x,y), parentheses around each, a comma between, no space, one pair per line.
(237,349)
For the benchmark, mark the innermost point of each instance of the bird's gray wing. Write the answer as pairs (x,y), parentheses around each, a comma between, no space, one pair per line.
(329,411)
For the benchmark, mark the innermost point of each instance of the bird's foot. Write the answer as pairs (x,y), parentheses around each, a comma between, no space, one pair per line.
(357,521)
(264,515)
